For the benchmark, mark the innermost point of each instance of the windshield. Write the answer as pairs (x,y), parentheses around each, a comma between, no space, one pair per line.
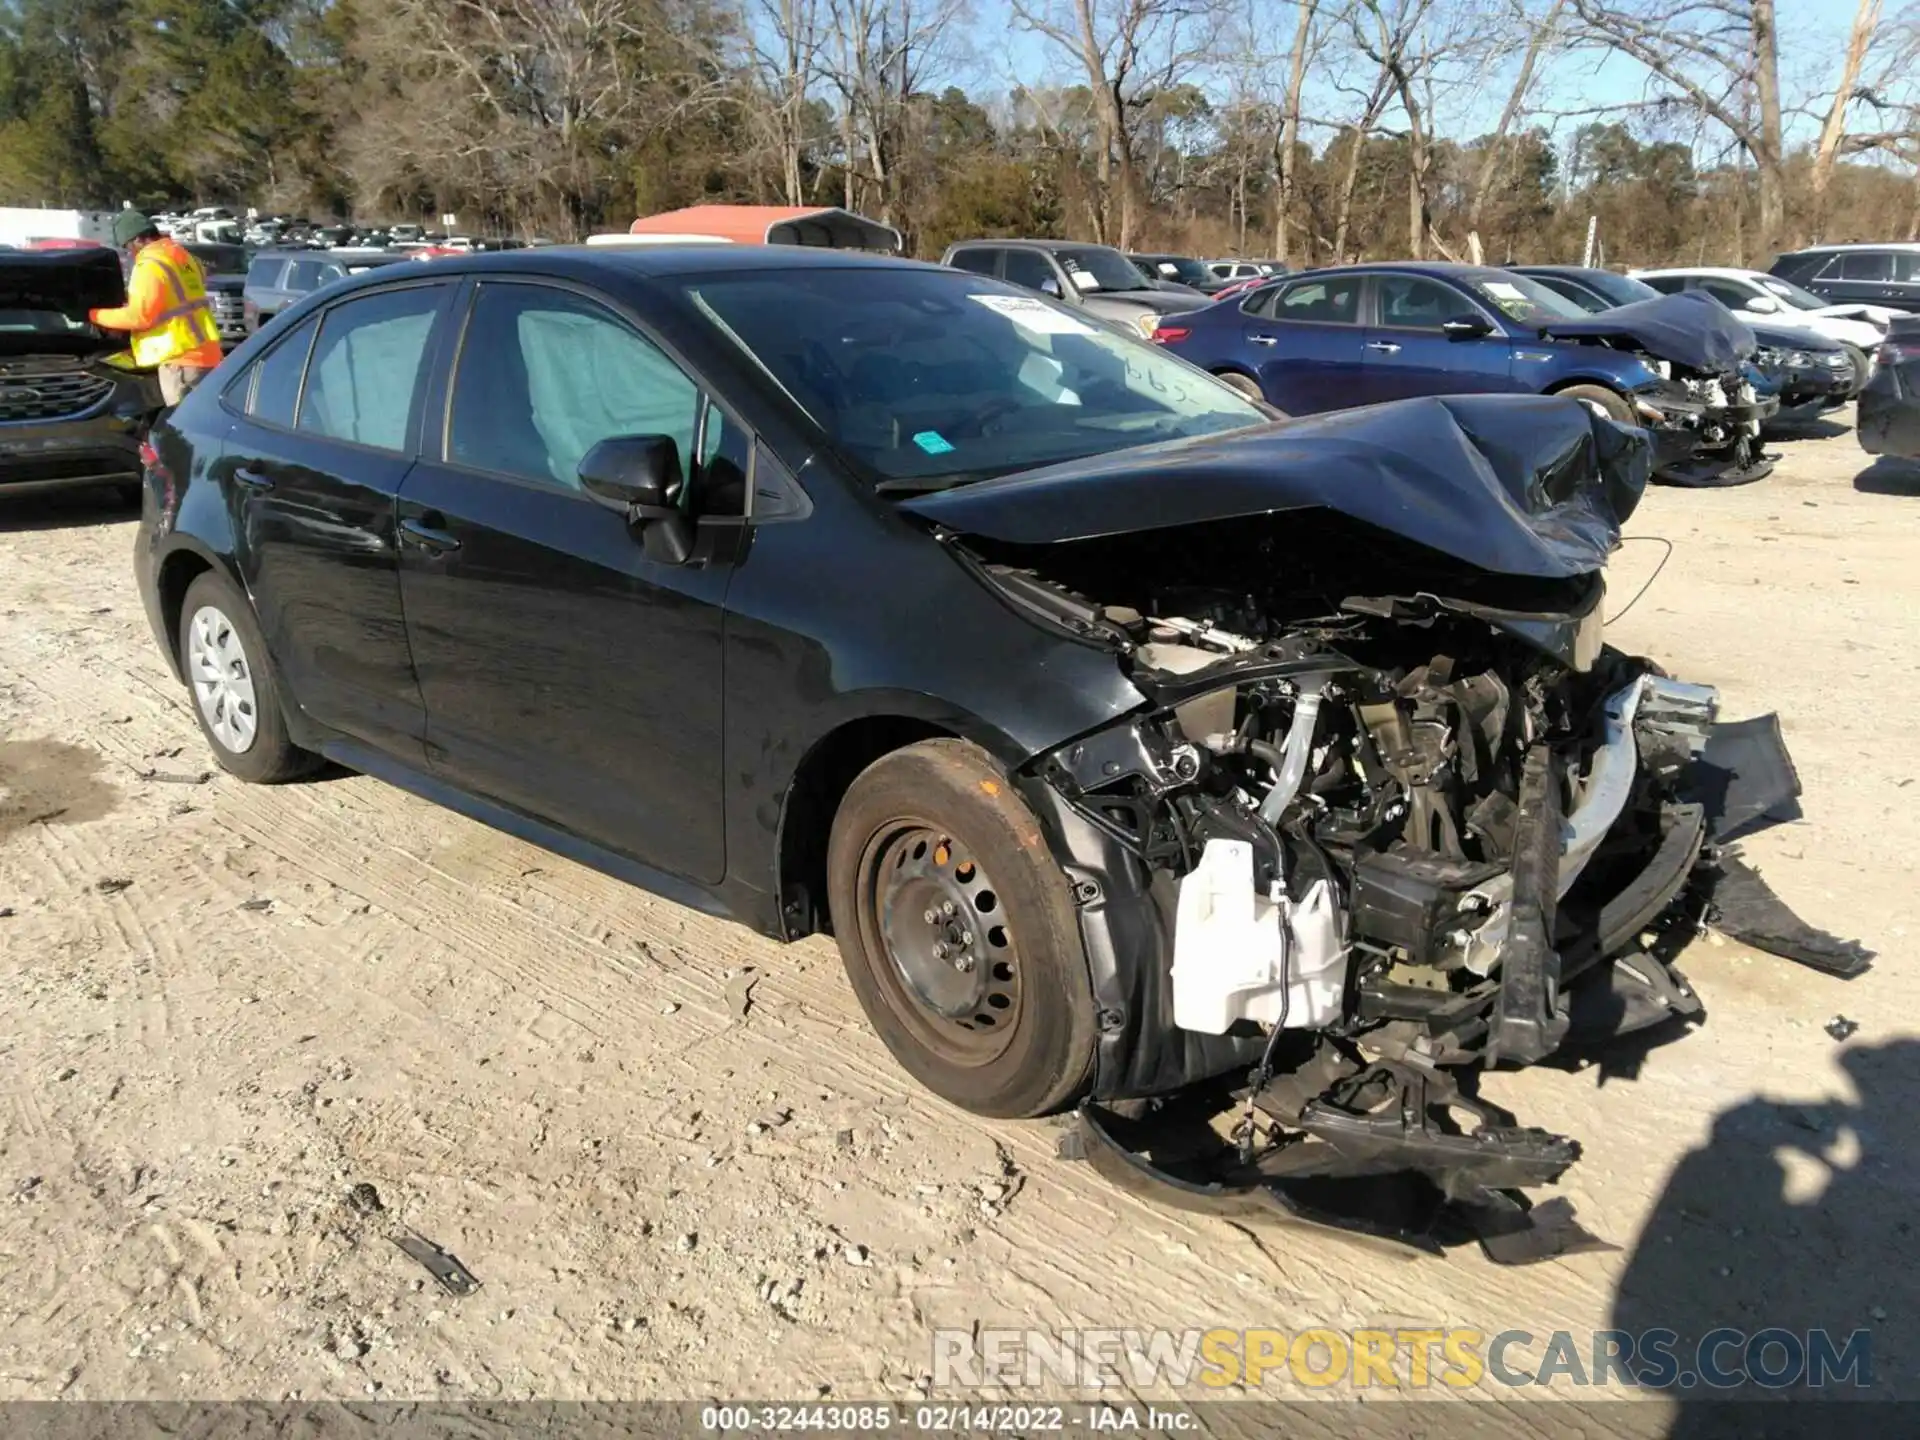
(1521,297)
(1620,289)
(1791,293)
(931,378)
(1095,267)
(1179,268)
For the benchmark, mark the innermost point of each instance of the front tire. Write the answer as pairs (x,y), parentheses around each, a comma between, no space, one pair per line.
(1861,367)
(233,685)
(1612,402)
(958,931)
(1234,380)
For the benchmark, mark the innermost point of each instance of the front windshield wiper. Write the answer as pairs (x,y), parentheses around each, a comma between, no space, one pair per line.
(924,484)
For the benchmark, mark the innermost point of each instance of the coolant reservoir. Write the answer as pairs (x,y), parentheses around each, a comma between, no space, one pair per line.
(1233,961)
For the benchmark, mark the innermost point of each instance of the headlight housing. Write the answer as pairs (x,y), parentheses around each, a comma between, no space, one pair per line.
(1146,324)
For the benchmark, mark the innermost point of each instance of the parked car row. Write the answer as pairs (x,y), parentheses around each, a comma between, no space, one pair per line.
(1336,337)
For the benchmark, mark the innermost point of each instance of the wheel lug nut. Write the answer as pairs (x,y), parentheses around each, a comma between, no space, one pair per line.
(963,963)
(966,938)
(947,909)
(931,916)
(939,951)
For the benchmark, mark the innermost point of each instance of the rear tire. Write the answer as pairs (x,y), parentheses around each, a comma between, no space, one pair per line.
(1611,401)
(958,931)
(233,686)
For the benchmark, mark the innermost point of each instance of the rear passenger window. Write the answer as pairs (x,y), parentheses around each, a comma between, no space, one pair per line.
(366,366)
(303,275)
(265,271)
(546,375)
(1325,301)
(1866,265)
(276,383)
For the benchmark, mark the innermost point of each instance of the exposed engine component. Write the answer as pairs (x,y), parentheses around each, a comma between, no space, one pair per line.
(1413,855)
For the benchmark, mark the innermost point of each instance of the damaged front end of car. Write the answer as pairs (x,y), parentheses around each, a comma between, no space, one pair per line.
(1393,812)
(1705,413)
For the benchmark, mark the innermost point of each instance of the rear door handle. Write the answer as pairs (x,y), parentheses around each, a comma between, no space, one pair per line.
(1263,339)
(253,479)
(1385,347)
(427,536)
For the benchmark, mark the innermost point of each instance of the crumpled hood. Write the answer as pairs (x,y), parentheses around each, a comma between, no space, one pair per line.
(1880,315)
(1691,328)
(1530,485)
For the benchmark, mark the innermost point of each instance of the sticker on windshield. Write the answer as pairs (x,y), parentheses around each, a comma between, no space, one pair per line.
(1503,290)
(1084,279)
(932,441)
(1034,315)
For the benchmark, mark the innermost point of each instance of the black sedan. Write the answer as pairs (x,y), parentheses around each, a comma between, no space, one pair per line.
(1123,738)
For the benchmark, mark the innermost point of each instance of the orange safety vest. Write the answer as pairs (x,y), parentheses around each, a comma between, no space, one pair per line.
(188,323)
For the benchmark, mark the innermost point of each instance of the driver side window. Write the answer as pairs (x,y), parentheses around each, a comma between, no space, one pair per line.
(545,375)
(1029,268)
(1408,302)
(1734,297)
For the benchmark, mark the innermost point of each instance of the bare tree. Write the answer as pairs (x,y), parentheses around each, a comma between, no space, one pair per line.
(882,54)
(784,41)
(1286,158)
(1541,31)
(1720,58)
(516,102)
(1130,50)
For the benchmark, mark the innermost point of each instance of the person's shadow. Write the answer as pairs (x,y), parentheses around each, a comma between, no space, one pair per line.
(1794,1218)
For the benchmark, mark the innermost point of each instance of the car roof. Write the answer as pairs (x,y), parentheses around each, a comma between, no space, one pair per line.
(1434,269)
(1037,244)
(1716,272)
(589,263)
(1854,245)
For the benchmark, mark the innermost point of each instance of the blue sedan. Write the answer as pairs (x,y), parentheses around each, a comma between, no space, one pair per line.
(1356,335)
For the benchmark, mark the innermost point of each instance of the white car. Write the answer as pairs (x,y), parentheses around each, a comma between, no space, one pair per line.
(1754,295)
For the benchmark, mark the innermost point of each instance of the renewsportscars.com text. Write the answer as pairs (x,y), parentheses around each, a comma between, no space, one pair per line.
(1319,1358)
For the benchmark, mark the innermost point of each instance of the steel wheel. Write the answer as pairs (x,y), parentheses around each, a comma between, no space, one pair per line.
(931,908)
(222,679)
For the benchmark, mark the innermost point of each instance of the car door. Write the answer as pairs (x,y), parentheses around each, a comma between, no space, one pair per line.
(326,434)
(1304,343)
(564,672)
(1408,353)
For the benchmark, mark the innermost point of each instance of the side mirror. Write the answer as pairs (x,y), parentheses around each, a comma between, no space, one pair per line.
(636,475)
(1466,327)
(1762,304)
(1050,286)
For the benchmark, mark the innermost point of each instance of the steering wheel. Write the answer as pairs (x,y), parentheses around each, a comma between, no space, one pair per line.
(976,424)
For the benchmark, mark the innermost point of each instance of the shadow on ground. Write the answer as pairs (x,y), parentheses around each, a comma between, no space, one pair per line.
(67,509)
(1796,1218)
(1888,476)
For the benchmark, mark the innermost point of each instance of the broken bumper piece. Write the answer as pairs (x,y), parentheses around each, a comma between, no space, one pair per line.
(1371,1159)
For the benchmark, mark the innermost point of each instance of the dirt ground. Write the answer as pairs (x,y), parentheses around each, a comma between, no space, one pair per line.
(222,1007)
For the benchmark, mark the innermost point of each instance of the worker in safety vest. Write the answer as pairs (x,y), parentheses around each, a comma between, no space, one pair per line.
(167,309)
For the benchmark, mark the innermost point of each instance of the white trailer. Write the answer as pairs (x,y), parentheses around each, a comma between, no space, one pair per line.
(21,226)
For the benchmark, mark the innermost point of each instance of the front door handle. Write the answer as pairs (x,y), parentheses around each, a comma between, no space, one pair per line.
(1263,339)
(1385,347)
(426,536)
(253,479)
